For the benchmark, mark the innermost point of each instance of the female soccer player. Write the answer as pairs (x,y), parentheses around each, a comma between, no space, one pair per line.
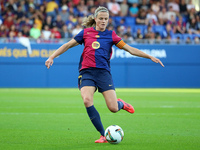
(94,66)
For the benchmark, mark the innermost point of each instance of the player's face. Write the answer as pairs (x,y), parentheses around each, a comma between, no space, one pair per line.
(101,21)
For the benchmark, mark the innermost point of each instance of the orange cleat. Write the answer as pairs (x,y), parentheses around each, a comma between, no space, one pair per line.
(101,140)
(127,107)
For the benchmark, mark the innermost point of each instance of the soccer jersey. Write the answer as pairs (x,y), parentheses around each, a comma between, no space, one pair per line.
(97,47)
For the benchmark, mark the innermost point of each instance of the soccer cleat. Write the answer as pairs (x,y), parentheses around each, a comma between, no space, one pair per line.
(127,107)
(101,140)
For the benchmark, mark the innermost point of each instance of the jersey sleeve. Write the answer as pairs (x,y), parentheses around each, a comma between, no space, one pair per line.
(79,37)
(117,40)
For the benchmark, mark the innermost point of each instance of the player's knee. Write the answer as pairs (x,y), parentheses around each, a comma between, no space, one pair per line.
(87,101)
(113,109)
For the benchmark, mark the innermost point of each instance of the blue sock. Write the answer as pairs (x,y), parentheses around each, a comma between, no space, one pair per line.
(120,105)
(95,118)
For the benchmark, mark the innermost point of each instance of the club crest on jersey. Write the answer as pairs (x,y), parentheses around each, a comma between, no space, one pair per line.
(95,45)
(97,36)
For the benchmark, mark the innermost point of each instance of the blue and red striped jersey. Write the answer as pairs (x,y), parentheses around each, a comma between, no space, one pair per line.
(97,47)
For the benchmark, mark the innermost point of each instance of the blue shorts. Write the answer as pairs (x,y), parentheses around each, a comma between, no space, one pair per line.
(99,78)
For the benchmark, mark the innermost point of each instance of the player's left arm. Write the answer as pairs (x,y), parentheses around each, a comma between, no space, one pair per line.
(137,52)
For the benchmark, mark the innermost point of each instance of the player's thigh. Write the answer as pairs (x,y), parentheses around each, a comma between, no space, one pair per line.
(104,80)
(111,100)
(87,93)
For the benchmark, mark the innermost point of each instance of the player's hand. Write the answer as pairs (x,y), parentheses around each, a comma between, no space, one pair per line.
(49,62)
(156,60)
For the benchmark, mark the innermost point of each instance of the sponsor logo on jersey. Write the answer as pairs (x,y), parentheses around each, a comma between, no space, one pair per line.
(95,45)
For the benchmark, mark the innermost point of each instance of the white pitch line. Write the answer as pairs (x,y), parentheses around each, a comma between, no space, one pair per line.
(164,106)
(140,114)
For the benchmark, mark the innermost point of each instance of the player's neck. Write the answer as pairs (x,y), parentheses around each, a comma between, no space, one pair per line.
(98,29)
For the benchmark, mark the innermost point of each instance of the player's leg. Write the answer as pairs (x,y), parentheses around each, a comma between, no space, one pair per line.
(87,93)
(115,104)
(106,87)
(111,101)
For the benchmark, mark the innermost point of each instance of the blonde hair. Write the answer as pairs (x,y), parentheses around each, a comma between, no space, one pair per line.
(89,21)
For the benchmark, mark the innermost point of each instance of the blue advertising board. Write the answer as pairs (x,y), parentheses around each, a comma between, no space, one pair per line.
(20,68)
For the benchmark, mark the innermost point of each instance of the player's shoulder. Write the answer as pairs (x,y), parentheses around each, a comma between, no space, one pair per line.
(89,29)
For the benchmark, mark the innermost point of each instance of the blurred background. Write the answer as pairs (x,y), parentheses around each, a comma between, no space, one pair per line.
(31,30)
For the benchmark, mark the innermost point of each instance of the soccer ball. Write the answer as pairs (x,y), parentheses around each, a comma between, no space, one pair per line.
(114,134)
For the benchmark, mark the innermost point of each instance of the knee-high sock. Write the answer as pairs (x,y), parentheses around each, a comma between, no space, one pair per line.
(120,105)
(95,118)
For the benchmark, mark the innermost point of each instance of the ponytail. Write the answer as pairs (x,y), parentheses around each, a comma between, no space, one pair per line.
(89,21)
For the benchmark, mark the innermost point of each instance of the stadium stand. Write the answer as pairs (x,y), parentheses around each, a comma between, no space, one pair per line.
(24,14)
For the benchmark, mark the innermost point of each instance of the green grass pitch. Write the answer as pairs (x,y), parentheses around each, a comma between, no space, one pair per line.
(55,119)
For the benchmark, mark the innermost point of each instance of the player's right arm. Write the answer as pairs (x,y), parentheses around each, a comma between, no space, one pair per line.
(59,51)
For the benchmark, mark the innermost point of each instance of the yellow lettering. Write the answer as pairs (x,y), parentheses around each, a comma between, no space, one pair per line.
(44,53)
(9,53)
(19,53)
(35,53)
(5,52)
(24,53)
(16,53)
